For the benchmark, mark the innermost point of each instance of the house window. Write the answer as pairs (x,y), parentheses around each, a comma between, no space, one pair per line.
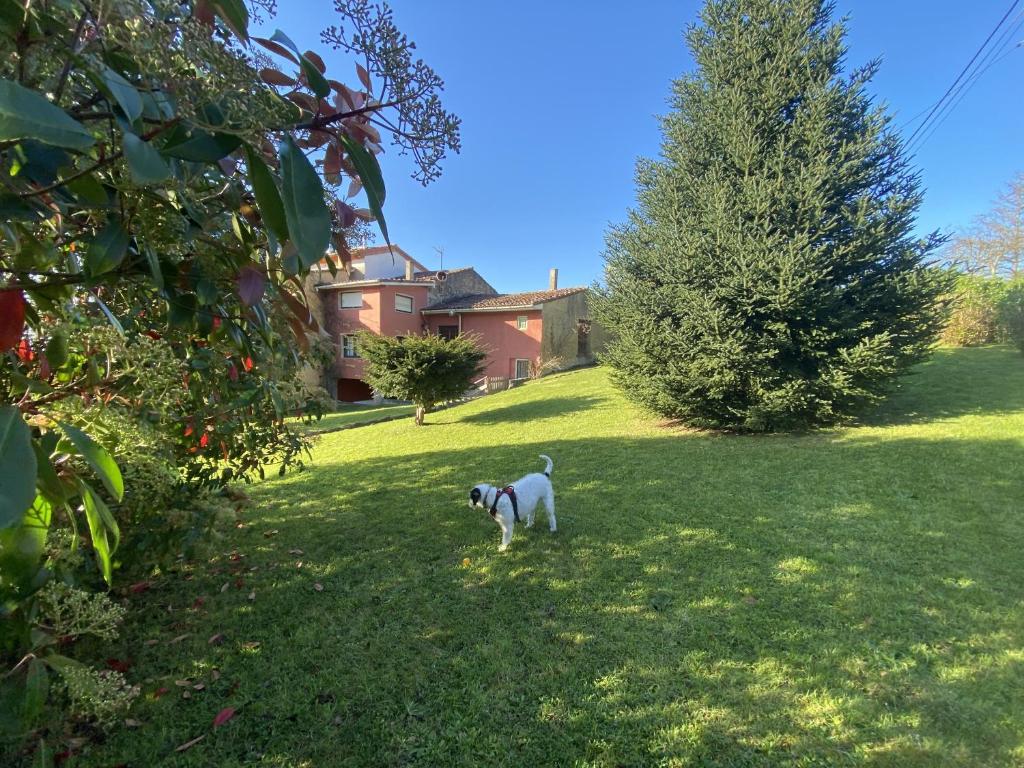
(521,322)
(351,300)
(348,346)
(448,332)
(582,338)
(522,369)
(403,303)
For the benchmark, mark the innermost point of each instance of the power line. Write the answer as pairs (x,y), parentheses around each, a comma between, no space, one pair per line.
(963,72)
(996,53)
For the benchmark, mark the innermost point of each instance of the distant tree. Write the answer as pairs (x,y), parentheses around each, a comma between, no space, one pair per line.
(424,369)
(769,278)
(993,245)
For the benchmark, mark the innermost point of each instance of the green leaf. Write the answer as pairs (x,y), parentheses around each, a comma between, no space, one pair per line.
(309,222)
(57,348)
(199,146)
(107,249)
(124,93)
(25,114)
(268,198)
(17,467)
(21,551)
(89,191)
(36,689)
(101,523)
(235,15)
(181,312)
(154,266)
(98,457)
(47,480)
(144,162)
(368,168)
(317,82)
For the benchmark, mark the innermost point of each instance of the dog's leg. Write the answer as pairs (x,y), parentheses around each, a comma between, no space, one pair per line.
(549,502)
(506,533)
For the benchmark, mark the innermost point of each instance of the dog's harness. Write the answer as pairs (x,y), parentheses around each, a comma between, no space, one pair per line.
(509,491)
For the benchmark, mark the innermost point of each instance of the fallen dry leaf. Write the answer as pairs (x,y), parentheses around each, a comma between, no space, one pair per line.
(139,586)
(225,587)
(152,641)
(188,744)
(215,674)
(272,532)
(252,595)
(223,716)
(198,686)
(216,639)
(251,644)
(318,587)
(129,723)
(186,695)
(298,564)
(750,600)
(294,551)
(183,683)
(179,638)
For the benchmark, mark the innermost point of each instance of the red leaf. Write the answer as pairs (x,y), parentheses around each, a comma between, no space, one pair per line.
(223,716)
(316,61)
(159,692)
(232,372)
(277,48)
(364,76)
(204,440)
(216,322)
(199,602)
(118,665)
(139,586)
(276,77)
(25,353)
(251,284)
(247,364)
(189,429)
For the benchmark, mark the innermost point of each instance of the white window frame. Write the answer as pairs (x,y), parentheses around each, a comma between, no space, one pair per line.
(348,347)
(343,305)
(522,322)
(516,371)
(411,304)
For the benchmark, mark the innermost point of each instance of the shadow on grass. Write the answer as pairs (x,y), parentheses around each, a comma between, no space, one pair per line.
(957,382)
(767,602)
(534,409)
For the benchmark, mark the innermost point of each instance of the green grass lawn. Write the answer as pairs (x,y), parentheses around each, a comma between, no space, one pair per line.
(350,415)
(852,597)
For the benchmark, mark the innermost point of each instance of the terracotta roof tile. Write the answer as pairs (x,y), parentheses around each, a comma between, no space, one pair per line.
(502,300)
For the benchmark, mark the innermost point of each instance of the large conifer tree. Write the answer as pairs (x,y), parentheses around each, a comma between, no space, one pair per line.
(768,278)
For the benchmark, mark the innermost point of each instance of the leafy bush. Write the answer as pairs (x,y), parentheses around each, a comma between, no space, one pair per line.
(974,317)
(425,369)
(1011,314)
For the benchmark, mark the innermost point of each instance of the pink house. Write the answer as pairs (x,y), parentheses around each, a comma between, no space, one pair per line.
(387,291)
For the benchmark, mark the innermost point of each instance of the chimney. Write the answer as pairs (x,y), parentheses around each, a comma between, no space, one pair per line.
(408,269)
(553,280)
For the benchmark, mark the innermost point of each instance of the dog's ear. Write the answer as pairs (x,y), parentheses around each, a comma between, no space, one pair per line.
(474,496)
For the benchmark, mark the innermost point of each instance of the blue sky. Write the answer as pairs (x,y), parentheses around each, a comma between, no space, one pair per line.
(559,98)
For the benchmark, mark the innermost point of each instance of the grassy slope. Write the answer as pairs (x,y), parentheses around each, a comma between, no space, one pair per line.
(852,597)
(349,415)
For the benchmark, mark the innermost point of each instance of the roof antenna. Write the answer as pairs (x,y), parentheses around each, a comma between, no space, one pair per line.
(439,250)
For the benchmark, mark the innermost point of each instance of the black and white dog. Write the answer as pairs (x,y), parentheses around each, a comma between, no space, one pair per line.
(512,503)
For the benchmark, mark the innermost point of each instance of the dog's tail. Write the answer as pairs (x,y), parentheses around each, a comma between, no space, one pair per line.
(547,471)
